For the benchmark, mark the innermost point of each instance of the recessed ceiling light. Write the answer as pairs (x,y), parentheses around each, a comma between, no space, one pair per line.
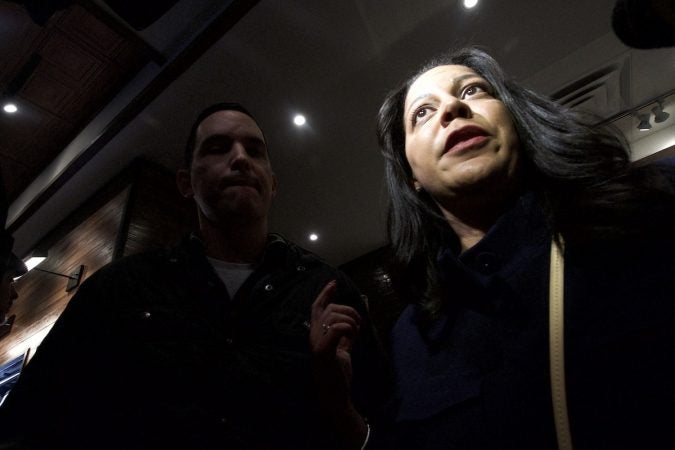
(470,3)
(10,108)
(299,120)
(313,237)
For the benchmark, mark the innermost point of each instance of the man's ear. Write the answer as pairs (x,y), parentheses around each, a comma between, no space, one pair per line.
(274,185)
(184,183)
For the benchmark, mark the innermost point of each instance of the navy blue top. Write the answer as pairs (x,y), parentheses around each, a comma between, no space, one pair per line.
(478,376)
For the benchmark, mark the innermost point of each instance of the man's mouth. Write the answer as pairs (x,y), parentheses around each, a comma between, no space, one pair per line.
(239,181)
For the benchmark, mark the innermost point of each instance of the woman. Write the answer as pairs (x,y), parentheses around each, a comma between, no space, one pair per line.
(483,175)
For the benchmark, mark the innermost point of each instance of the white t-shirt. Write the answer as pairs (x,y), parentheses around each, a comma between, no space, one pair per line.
(232,274)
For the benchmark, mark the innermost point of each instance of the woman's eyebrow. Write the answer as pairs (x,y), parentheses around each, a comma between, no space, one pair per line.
(454,82)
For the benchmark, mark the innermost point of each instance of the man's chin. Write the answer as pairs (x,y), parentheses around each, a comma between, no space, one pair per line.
(239,212)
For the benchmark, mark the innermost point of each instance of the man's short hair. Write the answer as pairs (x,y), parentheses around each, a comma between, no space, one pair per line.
(222,106)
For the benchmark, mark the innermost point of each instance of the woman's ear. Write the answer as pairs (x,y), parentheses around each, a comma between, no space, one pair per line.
(417,186)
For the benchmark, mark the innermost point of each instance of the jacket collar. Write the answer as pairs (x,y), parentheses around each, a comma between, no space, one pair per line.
(523,225)
(279,252)
(470,275)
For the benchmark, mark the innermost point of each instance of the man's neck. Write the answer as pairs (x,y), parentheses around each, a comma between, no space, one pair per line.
(243,243)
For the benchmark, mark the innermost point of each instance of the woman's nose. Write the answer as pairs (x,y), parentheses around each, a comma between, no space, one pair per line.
(454,108)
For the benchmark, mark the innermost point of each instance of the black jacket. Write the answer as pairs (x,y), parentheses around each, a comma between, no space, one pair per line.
(152,353)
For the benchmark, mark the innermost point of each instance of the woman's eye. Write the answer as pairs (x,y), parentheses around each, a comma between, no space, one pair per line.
(473,90)
(420,113)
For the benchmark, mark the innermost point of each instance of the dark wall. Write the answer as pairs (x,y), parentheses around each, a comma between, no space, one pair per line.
(372,273)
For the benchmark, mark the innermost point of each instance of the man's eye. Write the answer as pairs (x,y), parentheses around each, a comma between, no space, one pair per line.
(214,147)
(256,150)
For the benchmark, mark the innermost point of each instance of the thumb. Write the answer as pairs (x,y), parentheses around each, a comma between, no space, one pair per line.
(345,344)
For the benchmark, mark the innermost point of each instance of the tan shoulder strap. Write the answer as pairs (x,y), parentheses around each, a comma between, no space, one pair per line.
(557,346)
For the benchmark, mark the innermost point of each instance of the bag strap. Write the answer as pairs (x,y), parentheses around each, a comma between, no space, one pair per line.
(557,345)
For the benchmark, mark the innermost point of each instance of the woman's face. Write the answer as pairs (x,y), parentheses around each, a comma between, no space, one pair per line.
(458,137)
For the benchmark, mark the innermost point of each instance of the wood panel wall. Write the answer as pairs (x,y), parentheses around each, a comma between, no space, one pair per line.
(157,214)
(139,210)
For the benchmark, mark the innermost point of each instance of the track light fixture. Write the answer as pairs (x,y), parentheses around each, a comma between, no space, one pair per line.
(644,124)
(659,114)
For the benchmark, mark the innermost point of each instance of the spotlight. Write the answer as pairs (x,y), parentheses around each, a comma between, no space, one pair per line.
(10,108)
(659,114)
(644,124)
(299,120)
(468,4)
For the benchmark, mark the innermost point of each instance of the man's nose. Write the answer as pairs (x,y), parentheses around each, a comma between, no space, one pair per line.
(239,155)
(454,108)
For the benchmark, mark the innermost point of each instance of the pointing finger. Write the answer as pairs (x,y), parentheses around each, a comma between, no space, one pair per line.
(323,299)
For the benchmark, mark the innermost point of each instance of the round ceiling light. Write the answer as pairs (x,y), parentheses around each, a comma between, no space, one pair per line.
(299,120)
(10,108)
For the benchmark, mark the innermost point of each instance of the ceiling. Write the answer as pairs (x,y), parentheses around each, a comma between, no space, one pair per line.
(113,90)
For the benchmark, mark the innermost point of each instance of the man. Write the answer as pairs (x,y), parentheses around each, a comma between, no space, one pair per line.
(10,267)
(235,339)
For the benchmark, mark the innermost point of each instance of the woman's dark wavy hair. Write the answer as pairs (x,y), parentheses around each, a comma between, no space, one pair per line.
(578,171)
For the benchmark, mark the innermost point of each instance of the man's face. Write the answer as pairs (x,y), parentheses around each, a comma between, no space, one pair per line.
(231,176)
(7,294)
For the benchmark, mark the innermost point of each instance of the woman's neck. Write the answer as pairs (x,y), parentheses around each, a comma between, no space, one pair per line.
(472,219)
(467,234)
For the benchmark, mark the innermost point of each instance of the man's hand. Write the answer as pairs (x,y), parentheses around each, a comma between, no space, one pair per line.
(332,331)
